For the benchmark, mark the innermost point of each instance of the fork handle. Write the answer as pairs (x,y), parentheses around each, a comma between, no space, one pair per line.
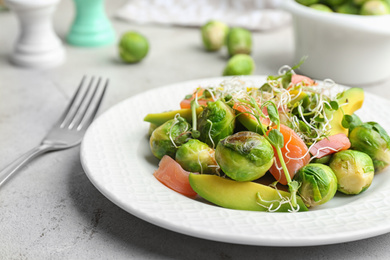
(8,171)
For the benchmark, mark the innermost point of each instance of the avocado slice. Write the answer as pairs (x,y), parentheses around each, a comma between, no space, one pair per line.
(299,97)
(249,122)
(160,118)
(349,101)
(239,195)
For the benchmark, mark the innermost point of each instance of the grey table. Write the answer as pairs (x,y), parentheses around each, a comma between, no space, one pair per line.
(50,210)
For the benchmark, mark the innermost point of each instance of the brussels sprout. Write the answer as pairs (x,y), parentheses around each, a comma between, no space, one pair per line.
(318,184)
(215,122)
(354,171)
(196,156)
(244,156)
(359,2)
(239,40)
(240,64)
(334,3)
(133,47)
(152,127)
(167,137)
(375,7)
(214,35)
(373,140)
(347,8)
(308,2)
(321,7)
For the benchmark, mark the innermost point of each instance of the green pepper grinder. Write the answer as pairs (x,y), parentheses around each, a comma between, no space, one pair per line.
(91,26)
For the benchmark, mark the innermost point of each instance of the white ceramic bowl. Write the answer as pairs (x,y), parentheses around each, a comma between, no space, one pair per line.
(349,49)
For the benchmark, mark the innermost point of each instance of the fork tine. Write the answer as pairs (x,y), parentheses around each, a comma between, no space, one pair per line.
(84,104)
(65,115)
(96,98)
(70,122)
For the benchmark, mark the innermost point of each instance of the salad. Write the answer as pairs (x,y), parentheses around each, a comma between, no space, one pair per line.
(286,146)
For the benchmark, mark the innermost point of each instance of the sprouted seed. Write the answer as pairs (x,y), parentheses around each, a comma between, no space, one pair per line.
(274,205)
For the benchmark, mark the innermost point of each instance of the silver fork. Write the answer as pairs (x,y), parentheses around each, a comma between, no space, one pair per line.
(70,128)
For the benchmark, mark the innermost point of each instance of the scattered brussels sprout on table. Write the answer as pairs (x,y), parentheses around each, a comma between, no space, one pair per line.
(239,41)
(354,171)
(240,64)
(214,35)
(356,7)
(133,47)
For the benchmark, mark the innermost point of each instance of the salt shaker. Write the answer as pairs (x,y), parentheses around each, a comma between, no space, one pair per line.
(37,46)
(90,27)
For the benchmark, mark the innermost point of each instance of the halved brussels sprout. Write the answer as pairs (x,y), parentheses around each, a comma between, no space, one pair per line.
(166,138)
(244,156)
(196,156)
(354,171)
(373,140)
(216,122)
(318,184)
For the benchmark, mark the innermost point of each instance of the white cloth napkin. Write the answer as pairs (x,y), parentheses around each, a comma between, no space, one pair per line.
(250,14)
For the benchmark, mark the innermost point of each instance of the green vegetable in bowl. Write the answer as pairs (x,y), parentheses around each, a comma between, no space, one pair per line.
(239,40)
(318,184)
(354,171)
(214,35)
(244,156)
(355,7)
(166,138)
(321,7)
(375,7)
(334,3)
(133,47)
(240,64)
(347,8)
(308,2)
(373,140)
(359,2)
(196,156)
(215,122)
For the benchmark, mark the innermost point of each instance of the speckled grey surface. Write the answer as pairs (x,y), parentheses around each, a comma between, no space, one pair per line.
(50,210)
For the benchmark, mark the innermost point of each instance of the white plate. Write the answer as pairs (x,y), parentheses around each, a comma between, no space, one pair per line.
(116,156)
